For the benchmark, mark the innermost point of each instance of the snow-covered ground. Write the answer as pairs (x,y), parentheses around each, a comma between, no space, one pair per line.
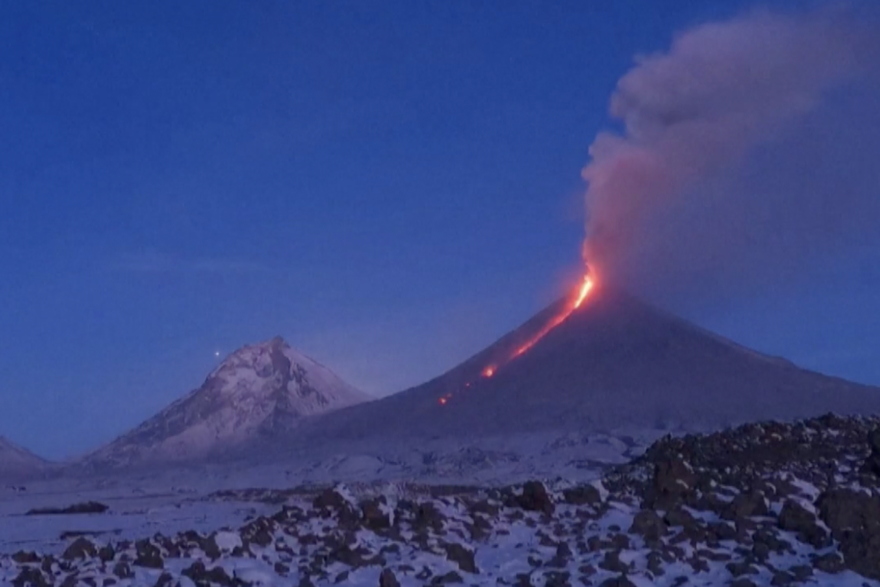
(143,503)
(770,504)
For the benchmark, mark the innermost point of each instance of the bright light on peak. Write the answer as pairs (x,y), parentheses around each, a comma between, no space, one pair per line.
(584,291)
(581,295)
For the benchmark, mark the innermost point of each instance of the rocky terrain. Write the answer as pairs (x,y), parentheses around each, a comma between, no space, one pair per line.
(761,504)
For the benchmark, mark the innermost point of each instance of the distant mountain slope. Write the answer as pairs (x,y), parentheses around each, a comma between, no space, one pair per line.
(616,362)
(259,391)
(18,463)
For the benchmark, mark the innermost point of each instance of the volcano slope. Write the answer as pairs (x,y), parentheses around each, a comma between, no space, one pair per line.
(614,363)
(17,463)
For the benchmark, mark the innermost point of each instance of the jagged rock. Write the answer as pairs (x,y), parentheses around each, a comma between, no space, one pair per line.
(258,531)
(582,495)
(795,518)
(47,563)
(123,571)
(872,463)
(202,575)
(740,568)
(22,557)
(374,515)
(79,549)
(801,572)
(673,479)
(31,577)
(387,579)
(678,516)
(330,499)
(428,516)
(655,564)
(612,562)
(746,505)
(209,545)
(106,553)
(148,555)
(854,519)
(649,525)
(534,498)
(461,556)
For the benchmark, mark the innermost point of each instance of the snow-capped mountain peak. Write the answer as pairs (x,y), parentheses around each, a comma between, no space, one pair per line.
(259,390)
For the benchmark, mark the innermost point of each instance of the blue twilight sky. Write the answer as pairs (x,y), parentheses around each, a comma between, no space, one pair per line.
(389,185)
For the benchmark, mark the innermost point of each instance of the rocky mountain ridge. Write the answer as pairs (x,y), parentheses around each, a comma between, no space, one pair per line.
(259,391)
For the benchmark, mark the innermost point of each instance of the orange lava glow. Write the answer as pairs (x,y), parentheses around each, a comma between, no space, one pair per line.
(586,287)
(582,294)
(577,301)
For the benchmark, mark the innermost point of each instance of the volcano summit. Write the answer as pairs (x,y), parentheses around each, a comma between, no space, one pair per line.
(614,363)
(260,391)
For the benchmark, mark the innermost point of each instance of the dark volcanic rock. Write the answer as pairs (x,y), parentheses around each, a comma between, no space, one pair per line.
(90,507)
(854,519)
(673,480)
(582,495)
(746,505)
(387,579)
(795,518)
(31,577)
(22,557)
(79,549)
(535,498)
(200,575)
(649,525)
(374,515)
(872,463)
(463,557)
(148,555)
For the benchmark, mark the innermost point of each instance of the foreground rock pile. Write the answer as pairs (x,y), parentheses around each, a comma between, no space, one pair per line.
(763,504)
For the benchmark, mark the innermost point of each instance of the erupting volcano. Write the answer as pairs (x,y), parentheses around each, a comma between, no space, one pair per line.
(582,294)
(601,360)
(576,302)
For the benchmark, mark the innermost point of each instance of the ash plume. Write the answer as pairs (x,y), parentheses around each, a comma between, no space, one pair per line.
(747,150)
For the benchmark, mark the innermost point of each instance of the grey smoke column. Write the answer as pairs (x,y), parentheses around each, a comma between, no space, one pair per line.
(669,189)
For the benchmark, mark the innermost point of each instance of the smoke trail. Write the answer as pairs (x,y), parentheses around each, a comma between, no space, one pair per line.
(724,165)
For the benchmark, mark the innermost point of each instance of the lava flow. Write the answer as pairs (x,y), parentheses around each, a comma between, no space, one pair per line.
(583,293)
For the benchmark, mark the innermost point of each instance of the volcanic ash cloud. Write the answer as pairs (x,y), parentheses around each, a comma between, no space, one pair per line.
(687,185)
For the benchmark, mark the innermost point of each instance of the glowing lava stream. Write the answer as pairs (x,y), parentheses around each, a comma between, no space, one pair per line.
(583,292)
(577,302)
